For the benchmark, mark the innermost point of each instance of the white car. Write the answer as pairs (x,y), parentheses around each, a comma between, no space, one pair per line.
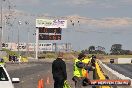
(5,81)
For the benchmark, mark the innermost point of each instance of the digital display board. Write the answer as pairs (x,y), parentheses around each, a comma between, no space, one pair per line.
(49,37)
(50,30)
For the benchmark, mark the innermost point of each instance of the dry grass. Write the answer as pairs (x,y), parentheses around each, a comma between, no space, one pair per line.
(106,58)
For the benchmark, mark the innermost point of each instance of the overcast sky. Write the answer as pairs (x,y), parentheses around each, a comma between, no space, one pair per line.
(101,22)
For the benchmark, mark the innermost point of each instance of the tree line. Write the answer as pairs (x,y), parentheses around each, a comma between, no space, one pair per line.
(116,49)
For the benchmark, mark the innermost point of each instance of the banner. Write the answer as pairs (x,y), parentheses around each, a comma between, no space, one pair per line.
(51,23)
(111,82)
(45,46)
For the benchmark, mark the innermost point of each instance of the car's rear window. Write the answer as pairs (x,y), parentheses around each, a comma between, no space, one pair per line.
(3,76)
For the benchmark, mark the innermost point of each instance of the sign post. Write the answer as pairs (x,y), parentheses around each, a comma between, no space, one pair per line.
(48,30)
(37,33)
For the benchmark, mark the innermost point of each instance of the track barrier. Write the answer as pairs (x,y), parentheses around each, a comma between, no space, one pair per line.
(100,75)
(115,75)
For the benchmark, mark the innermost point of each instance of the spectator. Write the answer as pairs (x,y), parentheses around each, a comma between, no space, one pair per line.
(9,57)
(59,71)
(14,58)
(2,62)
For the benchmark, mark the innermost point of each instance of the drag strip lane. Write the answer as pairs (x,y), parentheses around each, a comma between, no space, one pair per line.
(29,74)
(125,69)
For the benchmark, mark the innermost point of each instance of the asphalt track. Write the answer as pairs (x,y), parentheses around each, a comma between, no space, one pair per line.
(29,74)
(125,69)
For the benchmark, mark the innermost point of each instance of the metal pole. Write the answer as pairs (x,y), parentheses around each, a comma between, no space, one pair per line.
(34,43)
(27,49)
(1,33)
(12,40)
(18,42)
(34,49)
(37,34)
(28,43)
(19,22)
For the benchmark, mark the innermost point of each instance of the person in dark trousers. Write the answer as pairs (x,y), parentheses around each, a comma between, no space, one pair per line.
(79,68)
(59,71)
(93,65)
(93,61)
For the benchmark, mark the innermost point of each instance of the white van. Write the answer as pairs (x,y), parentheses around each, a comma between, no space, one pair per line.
(5,81)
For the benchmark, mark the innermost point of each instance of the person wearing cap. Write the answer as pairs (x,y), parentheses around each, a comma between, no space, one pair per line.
(79,68)
(59,71)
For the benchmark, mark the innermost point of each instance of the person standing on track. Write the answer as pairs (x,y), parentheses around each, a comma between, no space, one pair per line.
(79,71)
(59,71)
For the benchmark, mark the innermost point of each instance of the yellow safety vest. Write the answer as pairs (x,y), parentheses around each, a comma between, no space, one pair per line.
(86,60)
(77,71)
(85,72)
(2,63)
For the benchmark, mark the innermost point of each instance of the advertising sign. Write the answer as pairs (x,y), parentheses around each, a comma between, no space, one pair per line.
(51,23)
(31,46)
(45,46)
(49,37)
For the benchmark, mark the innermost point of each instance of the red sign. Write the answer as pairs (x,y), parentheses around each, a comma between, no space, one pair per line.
(110,82)
(49,37)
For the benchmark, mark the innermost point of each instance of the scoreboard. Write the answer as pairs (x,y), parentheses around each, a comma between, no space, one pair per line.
(49,33)
(50,30)
(49,37)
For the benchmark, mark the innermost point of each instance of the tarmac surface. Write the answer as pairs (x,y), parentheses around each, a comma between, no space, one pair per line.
(125,69)
(31,73)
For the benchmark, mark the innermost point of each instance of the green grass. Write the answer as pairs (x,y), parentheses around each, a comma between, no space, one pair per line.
(9,52)
(48,55)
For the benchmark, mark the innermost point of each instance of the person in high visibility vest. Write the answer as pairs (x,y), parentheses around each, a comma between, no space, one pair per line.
(78,70)
(2,62)
(86,60)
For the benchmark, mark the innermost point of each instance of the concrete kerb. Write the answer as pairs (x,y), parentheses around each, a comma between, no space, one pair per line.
(113,74)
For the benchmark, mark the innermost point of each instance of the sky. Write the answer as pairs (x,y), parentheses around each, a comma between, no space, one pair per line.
(101,22)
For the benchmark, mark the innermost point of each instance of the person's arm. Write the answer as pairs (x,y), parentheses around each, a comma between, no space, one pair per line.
(80,64)
(53,67)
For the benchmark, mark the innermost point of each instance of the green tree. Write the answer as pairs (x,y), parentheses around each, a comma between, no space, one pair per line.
(116,49)
(91,49)
(100,50)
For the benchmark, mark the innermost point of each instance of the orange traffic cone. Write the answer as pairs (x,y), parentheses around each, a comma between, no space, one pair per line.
(41,83)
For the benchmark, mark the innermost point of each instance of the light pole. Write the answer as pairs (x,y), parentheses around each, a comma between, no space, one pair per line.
(27,45)
(1,33)
(19,22)
(1,26)
(34,34)
(74,27)
(37,42)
